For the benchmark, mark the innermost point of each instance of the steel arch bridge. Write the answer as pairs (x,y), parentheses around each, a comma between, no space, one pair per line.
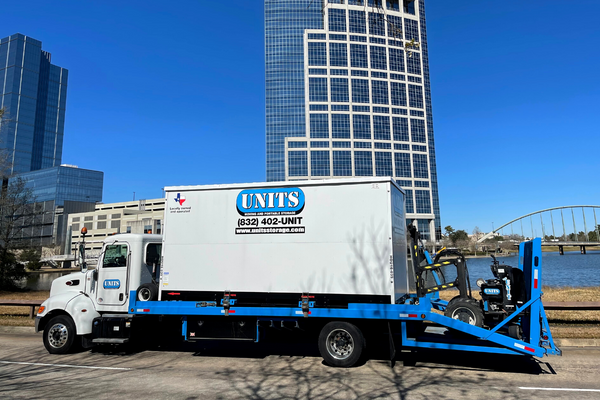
(553,230)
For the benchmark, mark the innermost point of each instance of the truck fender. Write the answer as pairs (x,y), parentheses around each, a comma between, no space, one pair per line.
(77,306)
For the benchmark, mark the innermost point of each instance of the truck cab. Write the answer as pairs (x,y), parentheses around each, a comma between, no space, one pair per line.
(77,301)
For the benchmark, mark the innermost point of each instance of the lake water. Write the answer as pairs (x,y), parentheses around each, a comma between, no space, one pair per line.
(572,269)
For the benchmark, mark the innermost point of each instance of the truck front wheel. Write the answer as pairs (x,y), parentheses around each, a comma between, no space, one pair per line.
(341,344)
(60,335)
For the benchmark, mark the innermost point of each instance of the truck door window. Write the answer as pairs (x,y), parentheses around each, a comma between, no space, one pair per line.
(115,256)
(153,251)
(152,260)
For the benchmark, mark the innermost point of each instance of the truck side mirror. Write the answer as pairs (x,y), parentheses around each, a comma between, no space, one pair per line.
(81,258)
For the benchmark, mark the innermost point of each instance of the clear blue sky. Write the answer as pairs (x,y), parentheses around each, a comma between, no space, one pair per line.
(165,94)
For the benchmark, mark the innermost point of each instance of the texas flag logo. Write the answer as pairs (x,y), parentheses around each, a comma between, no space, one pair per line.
(180,199)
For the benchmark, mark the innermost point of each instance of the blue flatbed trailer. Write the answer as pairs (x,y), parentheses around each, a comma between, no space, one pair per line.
(415,312)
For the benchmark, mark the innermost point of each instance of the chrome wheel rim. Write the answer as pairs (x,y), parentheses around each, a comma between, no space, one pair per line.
(340,344)
(58,336)
(144,294)
(464,315)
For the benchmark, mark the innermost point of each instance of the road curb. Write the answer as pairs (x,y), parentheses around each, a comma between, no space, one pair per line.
(577,342)
(17,329)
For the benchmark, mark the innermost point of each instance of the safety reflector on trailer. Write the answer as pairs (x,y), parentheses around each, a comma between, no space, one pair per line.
(230,311)
(408,315)
(143,310)
(300,312)
(535,278)
(520,346)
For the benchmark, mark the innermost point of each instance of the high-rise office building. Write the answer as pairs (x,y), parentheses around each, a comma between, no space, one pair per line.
(33,96)
(348,94)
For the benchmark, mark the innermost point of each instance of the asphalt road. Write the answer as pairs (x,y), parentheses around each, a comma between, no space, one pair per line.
(283,371)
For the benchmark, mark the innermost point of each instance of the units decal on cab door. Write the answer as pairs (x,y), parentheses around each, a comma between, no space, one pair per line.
(270,211)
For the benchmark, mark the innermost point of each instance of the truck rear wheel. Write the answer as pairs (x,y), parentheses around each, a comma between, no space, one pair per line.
(60,335)
(341,344)
(147,292)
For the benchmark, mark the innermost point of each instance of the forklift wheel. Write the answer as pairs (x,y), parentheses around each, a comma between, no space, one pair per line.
(147,292)
(466,310)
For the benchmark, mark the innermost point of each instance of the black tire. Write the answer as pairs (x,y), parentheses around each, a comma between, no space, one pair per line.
(147,292)
(466,310)
(341,344)
(515,332)
(60,335)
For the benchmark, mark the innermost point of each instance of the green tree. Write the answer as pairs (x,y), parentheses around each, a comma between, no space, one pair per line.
(458,237)
(449,230)
(32,258)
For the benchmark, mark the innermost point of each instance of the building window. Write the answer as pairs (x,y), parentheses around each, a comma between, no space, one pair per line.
(413,64)
(129,229)
(115,224)
(397,60)
(378,58)
(417,130)
(394,25)
(342,163)
(420,166)
(340,126)
(88,225)
(423,201)
(337,20)
(88,218)
(363,163)
(398,94)
(339,90)
(409,202)
(102,217)
(380,92)
(358,56)
(357,21)
(75,219)
(409,6)
(338,55)
(317,89)
(400,127)
(381,128)
(317,54)
(360,91)
(362,126)
(383,163)
(297,145)
(319,126)
(377,24)
(415,96)
(101,225)
(402,164)
(319,163)
(298,163)
(115,216)
(75,227)
(411,30)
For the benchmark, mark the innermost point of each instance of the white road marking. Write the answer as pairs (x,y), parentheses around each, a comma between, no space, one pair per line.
(63,365)
(564,389)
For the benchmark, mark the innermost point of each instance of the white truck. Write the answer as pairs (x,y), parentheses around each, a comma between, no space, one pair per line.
(236,260)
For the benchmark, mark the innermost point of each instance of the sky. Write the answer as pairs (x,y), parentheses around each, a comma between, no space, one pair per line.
(163,94)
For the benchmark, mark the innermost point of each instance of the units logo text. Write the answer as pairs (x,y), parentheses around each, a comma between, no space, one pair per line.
(276,201)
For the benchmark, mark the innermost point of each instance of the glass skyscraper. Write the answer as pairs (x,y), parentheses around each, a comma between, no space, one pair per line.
(33,96)
(348,94)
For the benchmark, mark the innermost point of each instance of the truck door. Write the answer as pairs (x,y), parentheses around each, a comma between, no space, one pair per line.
(113,275)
